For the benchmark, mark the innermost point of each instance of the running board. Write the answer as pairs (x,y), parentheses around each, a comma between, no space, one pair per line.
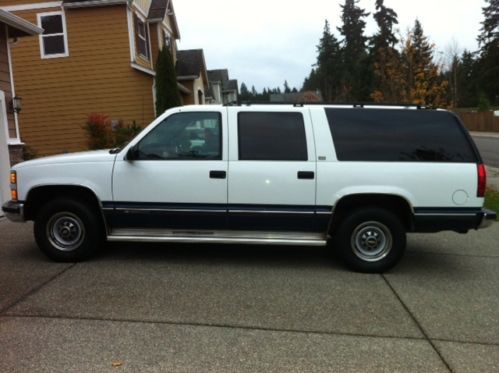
(226,237)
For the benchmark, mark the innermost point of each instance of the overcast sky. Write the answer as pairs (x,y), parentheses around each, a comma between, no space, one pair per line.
(264,42)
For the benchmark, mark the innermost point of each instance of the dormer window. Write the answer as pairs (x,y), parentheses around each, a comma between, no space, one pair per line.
(142,39)
(53,41)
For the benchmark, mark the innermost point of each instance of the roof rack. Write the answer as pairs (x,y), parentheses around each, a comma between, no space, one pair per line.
(353,104)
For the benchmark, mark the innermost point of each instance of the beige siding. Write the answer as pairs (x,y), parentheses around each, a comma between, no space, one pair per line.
(58,94)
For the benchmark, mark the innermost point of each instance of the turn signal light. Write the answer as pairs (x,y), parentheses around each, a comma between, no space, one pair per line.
(13,195)
(13,177)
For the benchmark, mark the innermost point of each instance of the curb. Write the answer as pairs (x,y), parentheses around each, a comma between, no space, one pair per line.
(494,135)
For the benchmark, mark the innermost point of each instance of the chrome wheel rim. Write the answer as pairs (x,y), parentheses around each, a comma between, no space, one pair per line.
(371,241)
(65,231)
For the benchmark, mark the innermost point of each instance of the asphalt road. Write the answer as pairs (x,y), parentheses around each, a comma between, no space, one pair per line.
(194,308)
(489,149)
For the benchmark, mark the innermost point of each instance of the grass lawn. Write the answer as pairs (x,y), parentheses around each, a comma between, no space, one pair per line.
(492,200)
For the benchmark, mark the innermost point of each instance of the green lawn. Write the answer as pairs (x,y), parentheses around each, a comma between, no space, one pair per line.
(492,200)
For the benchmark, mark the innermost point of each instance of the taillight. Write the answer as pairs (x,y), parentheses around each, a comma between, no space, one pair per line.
(482,180)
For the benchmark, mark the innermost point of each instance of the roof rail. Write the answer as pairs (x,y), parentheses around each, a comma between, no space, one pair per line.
(353,104)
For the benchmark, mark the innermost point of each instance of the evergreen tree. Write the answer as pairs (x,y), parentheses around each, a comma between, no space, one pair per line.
(489,52)
(422,82)
(384,57)
(286,87)
(329,66)
(167,94)
(467,80)
(355,63)
(244,93)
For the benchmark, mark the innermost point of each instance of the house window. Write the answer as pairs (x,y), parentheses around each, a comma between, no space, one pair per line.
(53,41)
(142,39)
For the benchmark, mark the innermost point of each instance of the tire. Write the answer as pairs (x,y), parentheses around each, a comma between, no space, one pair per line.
(66,230)
(370,240)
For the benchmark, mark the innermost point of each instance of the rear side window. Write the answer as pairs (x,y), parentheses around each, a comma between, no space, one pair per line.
(398,136)
(274,136)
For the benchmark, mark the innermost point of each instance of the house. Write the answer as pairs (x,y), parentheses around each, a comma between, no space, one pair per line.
(12,29)
(93,57)
(223,90)
(192,74)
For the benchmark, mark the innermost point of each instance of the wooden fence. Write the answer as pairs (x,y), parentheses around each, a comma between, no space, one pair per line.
(474,121)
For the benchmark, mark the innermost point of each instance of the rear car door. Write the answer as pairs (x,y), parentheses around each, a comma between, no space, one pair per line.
(272,172)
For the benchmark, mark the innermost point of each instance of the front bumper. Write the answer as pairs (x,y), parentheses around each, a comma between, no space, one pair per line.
(487,218)
(14,211)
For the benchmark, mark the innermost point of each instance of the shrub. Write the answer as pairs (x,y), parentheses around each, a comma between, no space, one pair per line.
(123,134)
(98,131)
(102,133)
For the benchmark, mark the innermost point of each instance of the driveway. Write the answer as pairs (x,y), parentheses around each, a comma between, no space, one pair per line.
(194,308)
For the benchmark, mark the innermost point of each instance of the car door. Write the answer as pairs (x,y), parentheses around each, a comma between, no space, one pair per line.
(177,177)
(272,170)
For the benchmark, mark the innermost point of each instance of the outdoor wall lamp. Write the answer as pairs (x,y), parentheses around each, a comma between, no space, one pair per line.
(17,104)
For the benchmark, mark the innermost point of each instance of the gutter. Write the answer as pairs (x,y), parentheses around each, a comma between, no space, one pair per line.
(93,3)
(187,77)
(19,23)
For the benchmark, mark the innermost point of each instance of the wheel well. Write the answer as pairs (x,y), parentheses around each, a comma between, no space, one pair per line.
(396,204)
(39,196)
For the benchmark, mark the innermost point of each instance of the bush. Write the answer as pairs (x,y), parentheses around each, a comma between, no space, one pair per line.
(98,130)
(104,134)
(123,134)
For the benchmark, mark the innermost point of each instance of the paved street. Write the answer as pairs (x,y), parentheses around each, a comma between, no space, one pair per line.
(489,148)
(245,308)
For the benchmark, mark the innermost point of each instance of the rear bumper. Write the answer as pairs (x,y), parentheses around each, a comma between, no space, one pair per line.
(458,220)
(14,211)
(487,218)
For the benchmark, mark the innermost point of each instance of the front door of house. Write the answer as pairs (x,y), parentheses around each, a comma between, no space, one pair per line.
(4,152)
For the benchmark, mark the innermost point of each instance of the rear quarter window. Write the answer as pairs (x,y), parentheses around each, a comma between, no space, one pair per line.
(393,135)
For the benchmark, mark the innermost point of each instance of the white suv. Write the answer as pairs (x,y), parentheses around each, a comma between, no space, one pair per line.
(359,177)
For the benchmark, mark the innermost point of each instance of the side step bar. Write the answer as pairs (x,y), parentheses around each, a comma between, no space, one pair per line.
(250,238)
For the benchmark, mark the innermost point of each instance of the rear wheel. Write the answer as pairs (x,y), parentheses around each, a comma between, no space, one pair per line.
(67,230)
(370,240)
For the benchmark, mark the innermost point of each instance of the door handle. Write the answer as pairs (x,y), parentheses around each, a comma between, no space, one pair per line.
(218,174)
(306,174)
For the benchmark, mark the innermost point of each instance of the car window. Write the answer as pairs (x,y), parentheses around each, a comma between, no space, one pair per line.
(398,136)
(184,136)
(272,136)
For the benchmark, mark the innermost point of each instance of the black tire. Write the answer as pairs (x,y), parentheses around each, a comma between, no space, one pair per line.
(370,240)
(67,230)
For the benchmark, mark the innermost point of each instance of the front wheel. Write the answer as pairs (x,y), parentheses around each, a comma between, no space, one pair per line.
(67,230)
(370,240)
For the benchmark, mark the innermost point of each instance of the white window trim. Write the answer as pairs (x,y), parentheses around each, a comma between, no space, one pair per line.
(131,34)
(64,34)
(145,39)
(17,138)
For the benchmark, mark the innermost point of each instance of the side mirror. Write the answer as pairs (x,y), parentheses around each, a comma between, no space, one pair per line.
(132,154)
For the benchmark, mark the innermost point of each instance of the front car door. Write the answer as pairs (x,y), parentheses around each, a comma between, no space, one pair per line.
(178,176)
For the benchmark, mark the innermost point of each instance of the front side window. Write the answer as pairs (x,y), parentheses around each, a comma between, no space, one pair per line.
(142,39)
(272,136)
(54,39)
(184,136)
